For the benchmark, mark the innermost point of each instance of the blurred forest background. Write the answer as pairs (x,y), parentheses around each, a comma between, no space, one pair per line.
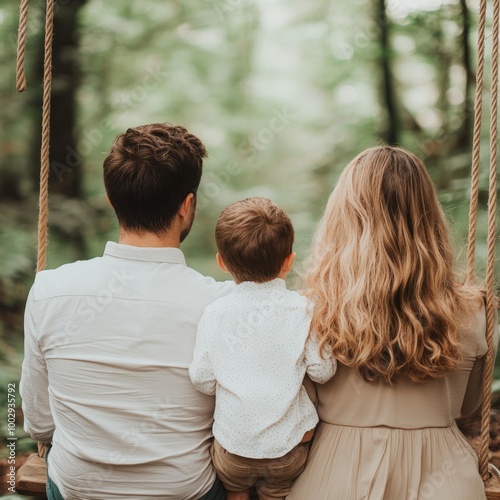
(282,92)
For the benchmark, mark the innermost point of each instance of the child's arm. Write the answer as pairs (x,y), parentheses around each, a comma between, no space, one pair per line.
(319,370)
(201,370)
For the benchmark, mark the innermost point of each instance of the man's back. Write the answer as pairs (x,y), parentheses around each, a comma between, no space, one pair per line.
(117,335)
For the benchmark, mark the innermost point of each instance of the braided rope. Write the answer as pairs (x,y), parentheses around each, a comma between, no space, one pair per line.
(43,203)
(21,46)
(476,147)
(490,261)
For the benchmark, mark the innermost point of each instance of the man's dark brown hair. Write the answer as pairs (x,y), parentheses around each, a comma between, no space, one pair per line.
(254,237)
(149,172)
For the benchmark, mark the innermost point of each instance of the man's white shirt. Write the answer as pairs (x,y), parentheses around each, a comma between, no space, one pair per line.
(108,343)
(253,350)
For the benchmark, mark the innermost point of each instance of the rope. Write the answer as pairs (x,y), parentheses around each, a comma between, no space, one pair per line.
(21,46)
(490,260)
(476,147)
(43,202)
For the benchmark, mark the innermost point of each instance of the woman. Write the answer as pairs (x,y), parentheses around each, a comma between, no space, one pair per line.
(409,339)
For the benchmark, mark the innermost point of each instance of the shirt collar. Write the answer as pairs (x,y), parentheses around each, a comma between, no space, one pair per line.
(166,254)
(275,284)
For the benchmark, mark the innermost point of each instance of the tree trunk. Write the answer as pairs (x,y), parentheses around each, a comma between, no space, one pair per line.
(443,60)
(464,138)
(66,174)
(390,133)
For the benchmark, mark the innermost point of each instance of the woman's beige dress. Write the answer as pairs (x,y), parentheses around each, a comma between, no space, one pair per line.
(379,442)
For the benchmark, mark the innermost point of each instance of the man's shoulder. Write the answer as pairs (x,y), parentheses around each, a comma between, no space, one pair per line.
(61,280)
(100,276)
(206,286)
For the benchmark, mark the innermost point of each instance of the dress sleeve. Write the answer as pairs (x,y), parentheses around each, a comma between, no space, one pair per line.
(201,370)
(34,385)
(473,393)
(319,370)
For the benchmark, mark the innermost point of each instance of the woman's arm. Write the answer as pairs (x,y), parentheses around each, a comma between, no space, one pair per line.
(473,393)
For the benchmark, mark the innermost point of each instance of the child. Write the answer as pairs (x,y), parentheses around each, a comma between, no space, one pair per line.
(253,350)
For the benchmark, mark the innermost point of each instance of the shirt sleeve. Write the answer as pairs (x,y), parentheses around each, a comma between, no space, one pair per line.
(473,393)
(201,371)
(319,370)
(34,384)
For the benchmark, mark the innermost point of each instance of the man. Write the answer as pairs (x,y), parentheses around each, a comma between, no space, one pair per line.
(108,341)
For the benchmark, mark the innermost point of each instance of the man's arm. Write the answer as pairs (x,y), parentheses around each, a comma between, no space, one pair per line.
(201,370)
(34,383)
(319,370)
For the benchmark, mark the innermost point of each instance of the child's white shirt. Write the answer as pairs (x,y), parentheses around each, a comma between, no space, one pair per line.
(252,351)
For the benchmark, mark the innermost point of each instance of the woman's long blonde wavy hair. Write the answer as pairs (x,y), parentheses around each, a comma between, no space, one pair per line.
(380,272)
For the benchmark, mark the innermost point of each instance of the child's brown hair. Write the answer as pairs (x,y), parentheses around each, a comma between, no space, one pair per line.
(254,236)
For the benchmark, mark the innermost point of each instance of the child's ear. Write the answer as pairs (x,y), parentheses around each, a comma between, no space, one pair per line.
(220,262)
(288,262)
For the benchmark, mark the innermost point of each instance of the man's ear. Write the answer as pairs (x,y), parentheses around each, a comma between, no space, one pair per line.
(220,262)
(109,201)
(185,208)
(288,262)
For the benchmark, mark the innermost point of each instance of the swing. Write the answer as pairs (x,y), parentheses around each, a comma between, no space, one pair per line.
(31,477)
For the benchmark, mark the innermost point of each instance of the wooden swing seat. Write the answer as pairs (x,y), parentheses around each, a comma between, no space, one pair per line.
(492,487)
(31,479)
